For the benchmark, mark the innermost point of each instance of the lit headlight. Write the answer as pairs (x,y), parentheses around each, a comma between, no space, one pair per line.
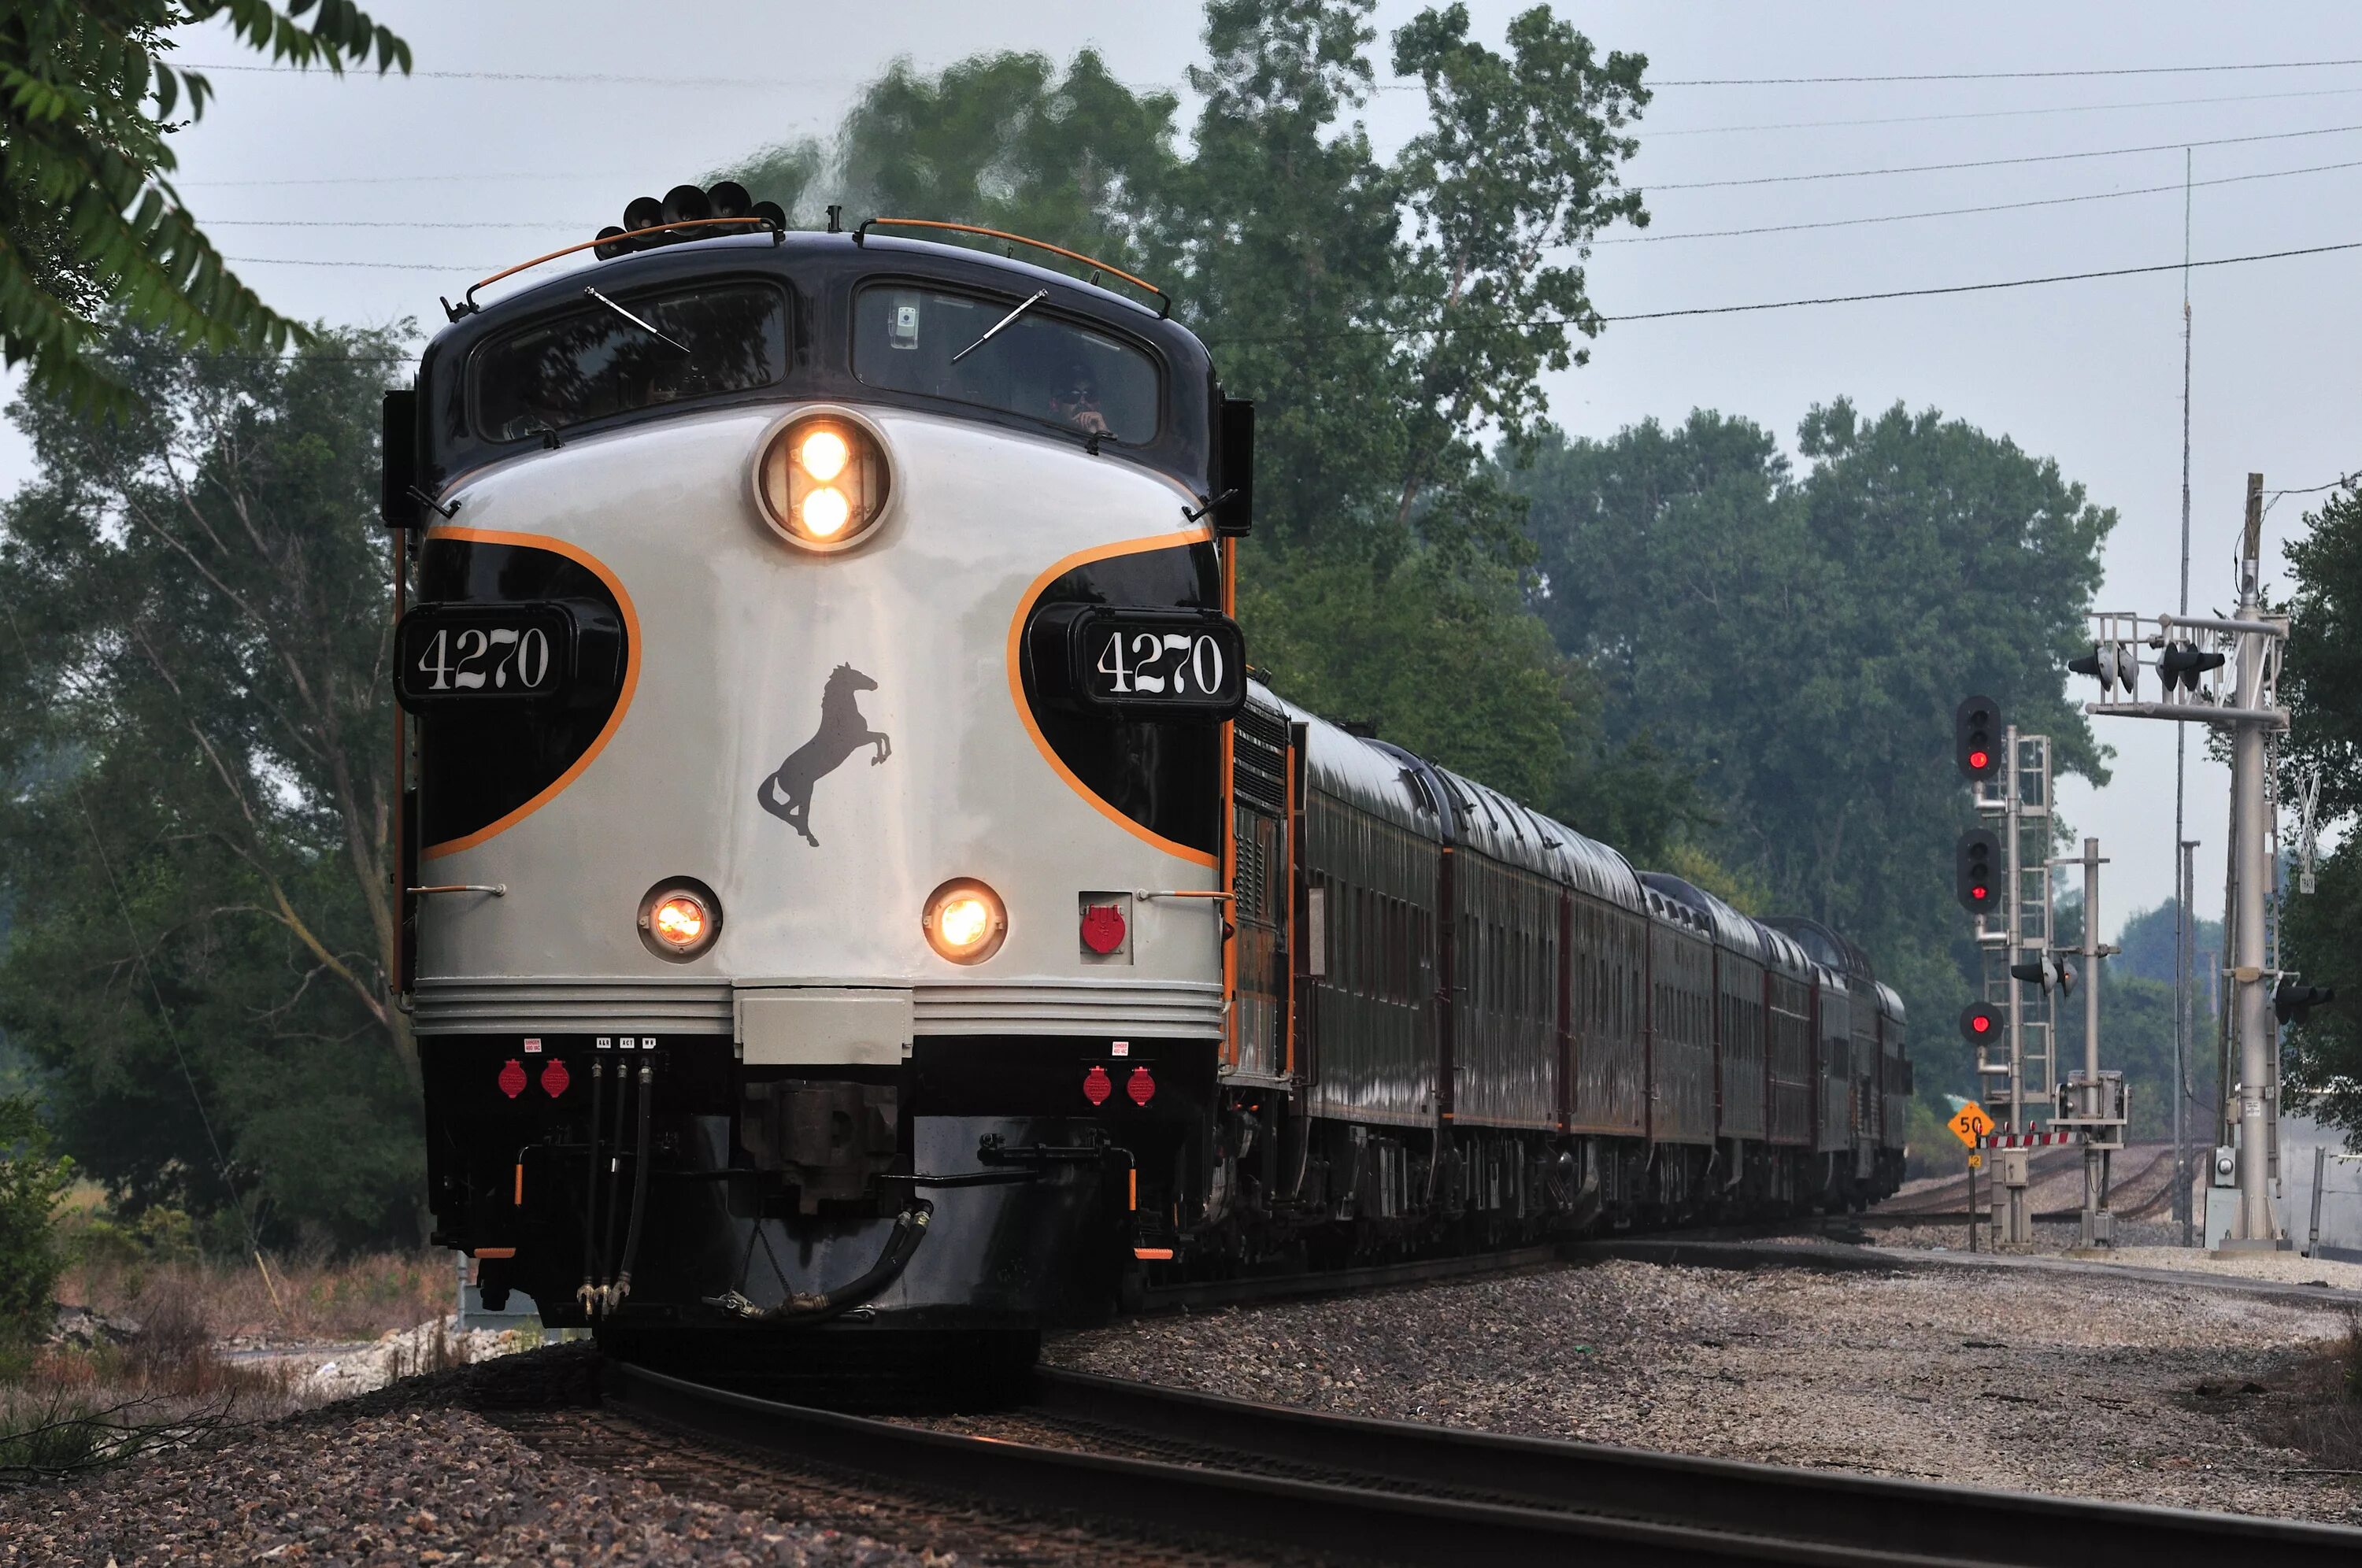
(680,918)
(964,921)
(823,482)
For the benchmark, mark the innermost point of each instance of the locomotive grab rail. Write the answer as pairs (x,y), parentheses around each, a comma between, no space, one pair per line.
(468,305)
(861,235)
(497,889)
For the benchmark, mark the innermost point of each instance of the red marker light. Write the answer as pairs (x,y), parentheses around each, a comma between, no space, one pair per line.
(555,1078)
(1103,929)
(1140,1086)
(512,1079)
(1097,1086)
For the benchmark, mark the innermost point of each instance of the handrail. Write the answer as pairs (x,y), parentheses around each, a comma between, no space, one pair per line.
(467,302)
(1164,300)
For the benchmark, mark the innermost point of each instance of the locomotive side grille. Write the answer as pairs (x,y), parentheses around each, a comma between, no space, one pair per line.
(1259,759)
(1251,882)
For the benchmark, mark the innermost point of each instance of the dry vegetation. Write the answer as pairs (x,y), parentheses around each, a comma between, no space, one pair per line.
(178,1344)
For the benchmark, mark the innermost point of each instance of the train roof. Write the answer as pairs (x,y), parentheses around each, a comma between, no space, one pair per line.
(1732,929)
(1353,769)
(1890,1001)
(1782,953)
(1827,948)
(1492,823)
(1444,807)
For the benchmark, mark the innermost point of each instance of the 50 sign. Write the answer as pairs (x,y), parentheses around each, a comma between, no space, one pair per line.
(473,653)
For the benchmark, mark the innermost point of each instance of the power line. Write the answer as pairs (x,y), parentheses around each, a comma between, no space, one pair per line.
(1999,75)
(1818,300)
(1637,316)
(1996,163)
(1966,288)
(1660,135)
(1650,238)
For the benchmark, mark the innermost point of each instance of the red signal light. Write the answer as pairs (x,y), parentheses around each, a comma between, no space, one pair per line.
(1981,894)
(1097,1086)
(1140,1086)
(1981,760)
(1982,1023)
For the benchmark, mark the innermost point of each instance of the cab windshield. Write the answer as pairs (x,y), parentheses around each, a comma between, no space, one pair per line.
(628,352)
(935,343)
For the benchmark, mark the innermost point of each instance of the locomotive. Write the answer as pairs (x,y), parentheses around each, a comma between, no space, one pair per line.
(857,903)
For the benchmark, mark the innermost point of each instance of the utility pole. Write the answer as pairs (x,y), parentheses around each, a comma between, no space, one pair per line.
(2258,1094)
(2191,670)
(2090,1099)
(2185,944)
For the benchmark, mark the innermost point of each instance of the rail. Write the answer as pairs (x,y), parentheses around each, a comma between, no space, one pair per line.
(1399,1492)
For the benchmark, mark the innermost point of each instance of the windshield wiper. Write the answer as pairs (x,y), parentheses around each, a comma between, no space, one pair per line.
(994,331)
(652,331)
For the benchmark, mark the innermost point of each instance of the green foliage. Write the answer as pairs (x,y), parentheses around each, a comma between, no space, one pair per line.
(31,1180)
(1800,643)
(196,690)
(87,217)
(2321,933)
(1382,313)
(2147,942)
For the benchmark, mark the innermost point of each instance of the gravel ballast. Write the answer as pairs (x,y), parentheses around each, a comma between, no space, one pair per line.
(408,1476)
(2103,1387)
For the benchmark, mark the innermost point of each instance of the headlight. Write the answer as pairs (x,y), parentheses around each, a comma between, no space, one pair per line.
(680,918)
(822,481)
(964,921)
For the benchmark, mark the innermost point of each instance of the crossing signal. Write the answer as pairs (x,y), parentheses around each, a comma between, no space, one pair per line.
(2291,1000)
(2182,663)
(2115,664)
(1976,877)
(1976,738)
(1980,1023)
(2044,971)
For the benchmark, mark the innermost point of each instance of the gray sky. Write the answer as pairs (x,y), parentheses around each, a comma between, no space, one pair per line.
(285,167)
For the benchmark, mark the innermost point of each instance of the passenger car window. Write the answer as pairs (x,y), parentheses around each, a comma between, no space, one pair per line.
(593,361)
(907,339)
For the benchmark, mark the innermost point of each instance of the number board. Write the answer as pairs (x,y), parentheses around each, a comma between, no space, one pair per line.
(447,654)
(1142,663)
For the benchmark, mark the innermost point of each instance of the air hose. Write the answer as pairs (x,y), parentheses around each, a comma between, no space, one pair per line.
(587,1293)
(803,1312)
(600,1290)
(622,1286)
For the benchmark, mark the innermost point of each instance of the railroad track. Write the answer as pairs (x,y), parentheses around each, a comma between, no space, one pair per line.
(1273,1480)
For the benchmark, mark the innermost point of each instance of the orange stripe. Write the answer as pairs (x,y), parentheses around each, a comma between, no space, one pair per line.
(1025,712)
(493,1252)
(597,569)
(1153,1255)
(519,1185)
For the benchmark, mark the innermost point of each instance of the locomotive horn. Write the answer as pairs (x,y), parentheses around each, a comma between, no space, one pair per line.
(772,213)
(730,200)
(607,249)
(641,212)
(686,203)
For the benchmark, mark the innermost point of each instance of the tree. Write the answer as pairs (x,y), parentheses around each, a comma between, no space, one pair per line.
(1800,643)
(2321,934)
(88,218)
(194,697)
(1382,314)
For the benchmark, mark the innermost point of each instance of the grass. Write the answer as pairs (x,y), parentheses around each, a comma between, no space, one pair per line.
(2324,1421)
(189,1368)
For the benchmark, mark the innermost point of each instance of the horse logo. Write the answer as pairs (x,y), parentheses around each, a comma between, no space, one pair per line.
(787,794)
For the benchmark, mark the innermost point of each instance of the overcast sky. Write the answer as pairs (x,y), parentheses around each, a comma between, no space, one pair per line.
(285,169)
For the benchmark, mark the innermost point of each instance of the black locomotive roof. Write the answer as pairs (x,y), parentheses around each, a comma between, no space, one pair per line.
(822,271)
(1827,948)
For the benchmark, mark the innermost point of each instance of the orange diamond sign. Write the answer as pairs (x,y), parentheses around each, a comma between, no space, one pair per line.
(1970,1123)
